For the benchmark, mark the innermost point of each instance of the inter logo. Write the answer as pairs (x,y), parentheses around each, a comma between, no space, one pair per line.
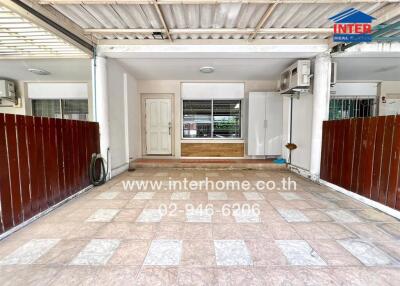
(352,25)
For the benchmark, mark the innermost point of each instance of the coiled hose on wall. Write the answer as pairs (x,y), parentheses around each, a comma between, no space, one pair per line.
(101,178)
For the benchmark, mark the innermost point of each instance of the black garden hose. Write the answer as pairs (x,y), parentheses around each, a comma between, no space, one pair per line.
(98,179)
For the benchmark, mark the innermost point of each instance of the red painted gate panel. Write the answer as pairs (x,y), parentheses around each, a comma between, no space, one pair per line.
(370,165)
(42,162)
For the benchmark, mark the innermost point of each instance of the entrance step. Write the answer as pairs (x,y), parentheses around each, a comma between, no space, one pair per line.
(230,164)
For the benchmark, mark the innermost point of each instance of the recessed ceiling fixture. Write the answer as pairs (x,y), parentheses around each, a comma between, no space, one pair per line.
(207,69)
(39,71)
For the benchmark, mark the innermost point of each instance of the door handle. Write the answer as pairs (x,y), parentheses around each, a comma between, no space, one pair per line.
(169,128)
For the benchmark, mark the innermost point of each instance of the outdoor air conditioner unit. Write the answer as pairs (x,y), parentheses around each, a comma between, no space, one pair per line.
(7,90)
(296,78)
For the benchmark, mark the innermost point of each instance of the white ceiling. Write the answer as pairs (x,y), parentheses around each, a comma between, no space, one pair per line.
(60,69)
(188,69)
(369,68)
(374,69)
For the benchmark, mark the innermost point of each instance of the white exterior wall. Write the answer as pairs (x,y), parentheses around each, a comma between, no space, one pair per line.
(174,87)
(122,91)
(301,130)
(135,146)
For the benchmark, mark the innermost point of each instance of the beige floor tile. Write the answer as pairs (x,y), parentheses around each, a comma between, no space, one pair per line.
(170,230)
(198,253)
(116,275)
(130,252)
(226,231)
(75,275)
(157,276)
(265,253)
(27,275)
(241,276)
(197,276)
(62,253)
(283,231)
(198,231)
(333,253)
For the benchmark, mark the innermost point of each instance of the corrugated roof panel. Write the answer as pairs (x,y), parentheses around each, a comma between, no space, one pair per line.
(214,16)
(20,37)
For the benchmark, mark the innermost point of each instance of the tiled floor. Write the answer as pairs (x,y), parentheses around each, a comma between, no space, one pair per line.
(112,236)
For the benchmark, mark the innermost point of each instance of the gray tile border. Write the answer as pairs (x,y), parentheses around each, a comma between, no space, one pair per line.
(232,253)
(29,252)
(96,252)
(299,252)
(367,253)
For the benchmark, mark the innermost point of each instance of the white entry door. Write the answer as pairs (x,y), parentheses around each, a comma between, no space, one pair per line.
(158,126)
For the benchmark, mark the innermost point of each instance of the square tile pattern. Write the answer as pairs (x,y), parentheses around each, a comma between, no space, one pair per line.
(217,196)
(199,215)
(150,215)
(299,252)
(308,236)
(29,252)
(107,196)
(103,215)
(97,252)
(232,253)
(164,253)
(293,215)
(180,196)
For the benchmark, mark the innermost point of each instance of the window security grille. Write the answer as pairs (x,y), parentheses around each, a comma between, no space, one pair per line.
(345,108)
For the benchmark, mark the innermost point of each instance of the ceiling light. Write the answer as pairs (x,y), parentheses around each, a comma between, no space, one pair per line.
(38,71)
(207,69)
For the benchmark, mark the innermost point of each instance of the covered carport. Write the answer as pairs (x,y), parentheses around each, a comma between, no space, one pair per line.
(207,61)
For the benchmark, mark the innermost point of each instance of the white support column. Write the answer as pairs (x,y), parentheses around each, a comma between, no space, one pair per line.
(321,94)
(101,104)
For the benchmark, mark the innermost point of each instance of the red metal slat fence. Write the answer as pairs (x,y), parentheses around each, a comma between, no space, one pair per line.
(363,156)
(42,161)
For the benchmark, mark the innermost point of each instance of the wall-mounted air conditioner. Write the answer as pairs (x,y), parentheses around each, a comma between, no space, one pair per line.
(7,90)
(296,78)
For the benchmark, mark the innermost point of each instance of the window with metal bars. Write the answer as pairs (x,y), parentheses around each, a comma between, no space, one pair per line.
(345,108)
(76,109)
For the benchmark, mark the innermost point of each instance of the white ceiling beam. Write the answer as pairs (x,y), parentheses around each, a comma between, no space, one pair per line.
(223,49)
(215,31)
(262,21)
(161,16)
(163,2)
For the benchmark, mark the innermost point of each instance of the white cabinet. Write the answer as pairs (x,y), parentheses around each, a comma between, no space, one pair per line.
(264,134)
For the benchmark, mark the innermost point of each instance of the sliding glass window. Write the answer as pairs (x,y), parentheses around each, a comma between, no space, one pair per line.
(211,119)
(197,120)
(76,109)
